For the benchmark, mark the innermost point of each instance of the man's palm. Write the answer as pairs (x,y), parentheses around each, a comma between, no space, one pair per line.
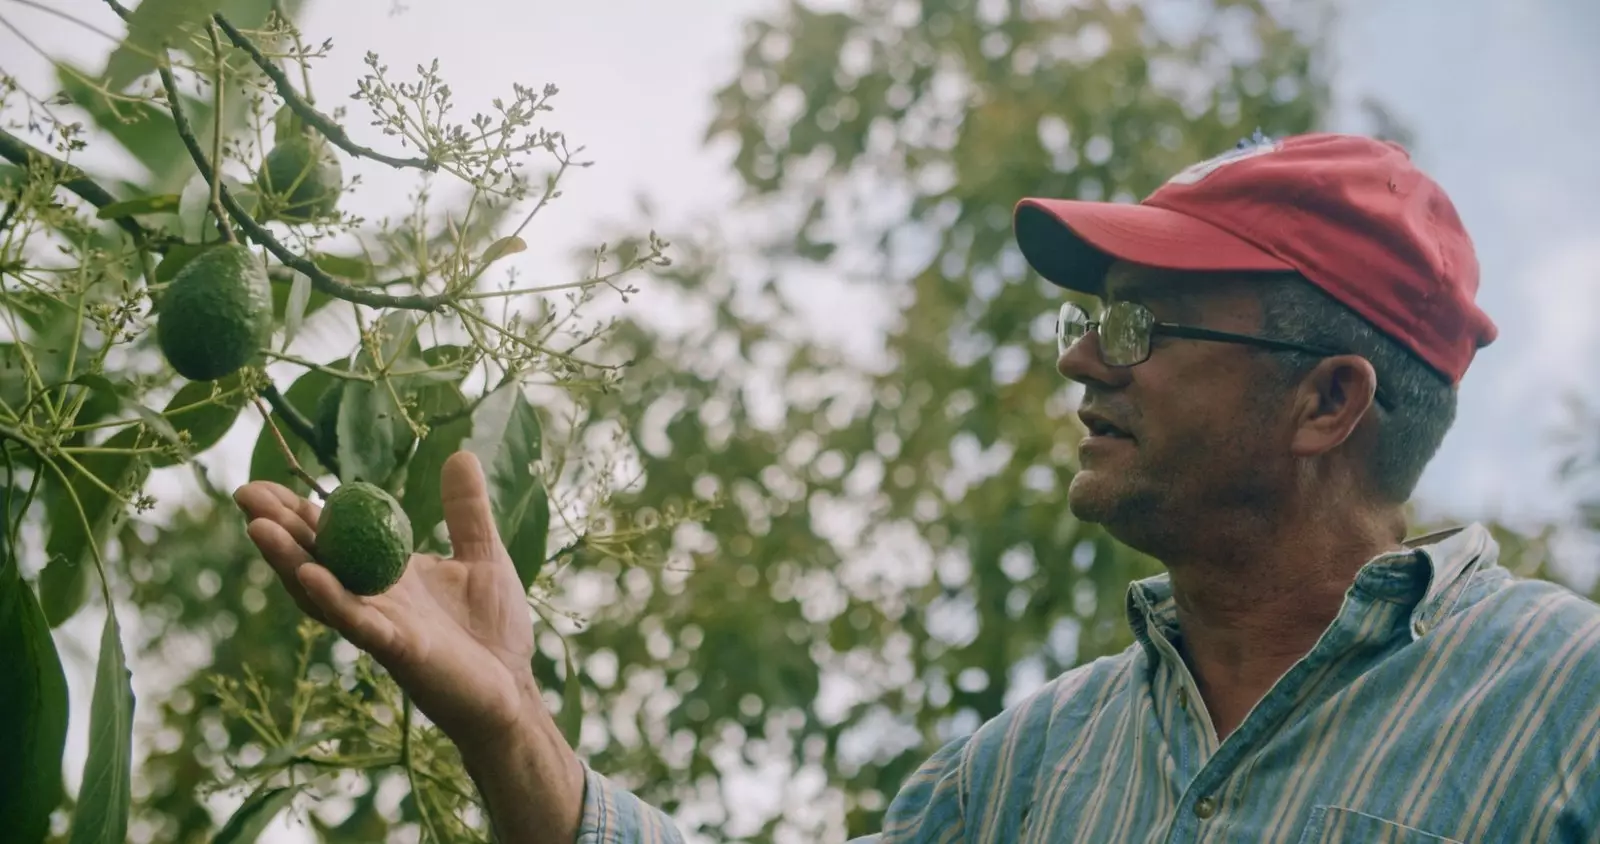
(454,632)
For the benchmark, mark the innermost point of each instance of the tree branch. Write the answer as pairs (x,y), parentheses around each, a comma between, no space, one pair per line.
(319,279)
(21,154)
(300,427)
(329,129)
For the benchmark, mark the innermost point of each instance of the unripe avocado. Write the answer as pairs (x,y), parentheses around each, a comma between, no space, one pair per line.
(216,314)
(364,538)
(304,176)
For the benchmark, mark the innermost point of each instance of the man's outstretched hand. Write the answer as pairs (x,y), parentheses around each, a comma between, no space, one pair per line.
(454,633)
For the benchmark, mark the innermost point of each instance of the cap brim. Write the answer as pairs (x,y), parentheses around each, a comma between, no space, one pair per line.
(1072,243)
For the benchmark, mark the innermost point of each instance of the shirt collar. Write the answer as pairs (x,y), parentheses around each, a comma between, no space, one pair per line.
(1429,576)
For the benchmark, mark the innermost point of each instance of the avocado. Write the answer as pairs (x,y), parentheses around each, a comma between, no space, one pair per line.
(303,177)
(364,538)
(215,314)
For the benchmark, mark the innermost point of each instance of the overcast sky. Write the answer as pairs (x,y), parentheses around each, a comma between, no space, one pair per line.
(1501,95)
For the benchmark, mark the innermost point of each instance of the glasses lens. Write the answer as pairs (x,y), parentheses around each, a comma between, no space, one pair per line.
(1125,334)
(1071,325)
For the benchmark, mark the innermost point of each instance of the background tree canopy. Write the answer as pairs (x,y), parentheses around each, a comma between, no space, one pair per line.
(823,564)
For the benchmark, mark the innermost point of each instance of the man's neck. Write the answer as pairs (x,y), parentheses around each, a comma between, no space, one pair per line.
(1252,609)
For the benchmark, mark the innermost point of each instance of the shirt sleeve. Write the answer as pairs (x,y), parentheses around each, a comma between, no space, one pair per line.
(932,803)
(613,815)
(928,809)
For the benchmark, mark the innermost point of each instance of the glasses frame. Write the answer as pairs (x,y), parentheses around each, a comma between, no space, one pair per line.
(1185,332)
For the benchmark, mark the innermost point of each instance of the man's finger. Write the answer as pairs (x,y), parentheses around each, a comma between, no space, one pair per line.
(467,512)
(286,556)
(362,624)
(267,500)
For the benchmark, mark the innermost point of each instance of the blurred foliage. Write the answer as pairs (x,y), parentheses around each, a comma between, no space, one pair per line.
(891,562)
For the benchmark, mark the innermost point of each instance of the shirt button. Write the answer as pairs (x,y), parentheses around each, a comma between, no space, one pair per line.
(1205,807)
(1183,698)
(1419,627)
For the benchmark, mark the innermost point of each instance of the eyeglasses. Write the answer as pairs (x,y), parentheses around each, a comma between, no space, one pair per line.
(1125,329)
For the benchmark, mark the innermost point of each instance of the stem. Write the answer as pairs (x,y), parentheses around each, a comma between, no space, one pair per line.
(216,135)
(301,427)
(411,777)
(88,527)
(329,129)
(299,50)
(550,288)
(70,177)
(319,279)
(288,453)
(326,370)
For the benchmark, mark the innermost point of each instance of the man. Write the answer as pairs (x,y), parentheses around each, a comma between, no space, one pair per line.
(1275,361)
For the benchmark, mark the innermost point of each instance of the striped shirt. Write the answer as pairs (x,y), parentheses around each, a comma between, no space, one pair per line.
(1449,701)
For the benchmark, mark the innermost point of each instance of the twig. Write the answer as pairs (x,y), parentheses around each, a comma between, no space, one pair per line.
(216,136)
(411,778)
(319,279)
(288,453)
(70,177)
(301,427)
(331,130)
(299,51)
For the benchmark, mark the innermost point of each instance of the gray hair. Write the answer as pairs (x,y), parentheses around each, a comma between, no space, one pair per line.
(1424,401)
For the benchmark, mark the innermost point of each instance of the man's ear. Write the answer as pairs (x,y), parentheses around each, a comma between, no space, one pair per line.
(1334,397)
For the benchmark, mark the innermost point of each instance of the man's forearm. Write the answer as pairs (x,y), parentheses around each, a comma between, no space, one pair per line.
(531,781)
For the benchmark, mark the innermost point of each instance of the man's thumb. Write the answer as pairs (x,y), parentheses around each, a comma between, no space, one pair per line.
(468,514)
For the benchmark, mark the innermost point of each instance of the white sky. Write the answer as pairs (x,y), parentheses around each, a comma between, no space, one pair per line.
(1500,92)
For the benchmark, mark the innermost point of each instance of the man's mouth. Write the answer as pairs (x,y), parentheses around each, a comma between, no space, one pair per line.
(1100,427)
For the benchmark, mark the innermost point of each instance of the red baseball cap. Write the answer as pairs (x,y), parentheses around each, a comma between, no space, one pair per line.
(1351,214)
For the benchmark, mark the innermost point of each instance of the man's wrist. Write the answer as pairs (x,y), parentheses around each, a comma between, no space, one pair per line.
(531,780)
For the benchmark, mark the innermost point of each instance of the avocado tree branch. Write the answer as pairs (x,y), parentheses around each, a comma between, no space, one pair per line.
(288,453)
(329,129)
(301,427)
(21,154)
(319,279)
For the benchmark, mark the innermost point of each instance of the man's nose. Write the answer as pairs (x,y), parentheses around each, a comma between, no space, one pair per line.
(1081,363)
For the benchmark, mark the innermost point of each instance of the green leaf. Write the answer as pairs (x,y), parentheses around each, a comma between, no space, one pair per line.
(145,130)
(368,439)
(101,815)
(570,721)
(152,24)
(255,814)
(501,248)
(507,440)
(344,266)
(295,310)
(190,411)
(63,588)
(166,203)
(33,709)
(178,255)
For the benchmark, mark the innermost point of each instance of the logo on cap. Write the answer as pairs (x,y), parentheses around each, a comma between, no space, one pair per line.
(1255,145)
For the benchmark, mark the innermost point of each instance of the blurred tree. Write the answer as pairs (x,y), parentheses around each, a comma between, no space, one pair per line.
(892,562)
(895,563)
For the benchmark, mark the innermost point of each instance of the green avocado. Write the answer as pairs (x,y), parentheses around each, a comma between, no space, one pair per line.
(216,314)
(364,538)
(304,178)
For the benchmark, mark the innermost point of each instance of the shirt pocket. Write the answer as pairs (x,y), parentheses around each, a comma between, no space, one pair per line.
(1337,825)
